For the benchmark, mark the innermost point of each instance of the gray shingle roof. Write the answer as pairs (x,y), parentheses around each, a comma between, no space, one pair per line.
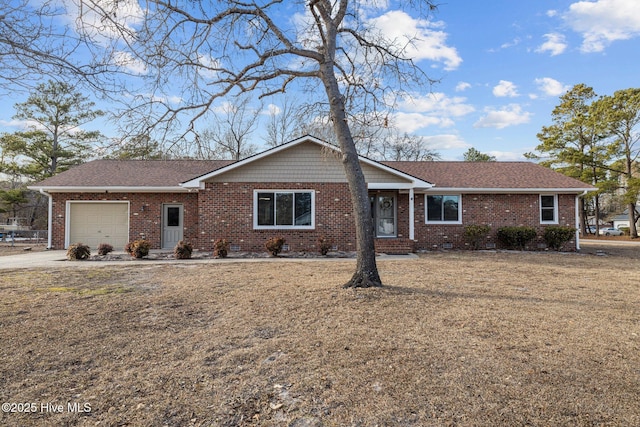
(132,173)
(488,175)
(170,173)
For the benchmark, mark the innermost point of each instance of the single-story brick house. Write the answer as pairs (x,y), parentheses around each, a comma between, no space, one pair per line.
(298,190)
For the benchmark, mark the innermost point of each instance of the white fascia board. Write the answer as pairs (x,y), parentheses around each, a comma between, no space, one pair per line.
(389,186)
(114,189)
(458,190)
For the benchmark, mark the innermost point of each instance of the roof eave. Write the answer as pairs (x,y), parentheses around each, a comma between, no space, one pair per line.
(510,190)
(109,189)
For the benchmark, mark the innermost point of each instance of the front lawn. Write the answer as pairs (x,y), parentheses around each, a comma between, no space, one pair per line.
(456,338)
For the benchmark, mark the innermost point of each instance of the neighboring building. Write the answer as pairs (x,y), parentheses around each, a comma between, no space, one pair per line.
(622,220)
(298,190)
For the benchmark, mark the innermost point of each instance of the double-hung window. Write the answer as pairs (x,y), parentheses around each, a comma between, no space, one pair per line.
(284,209)
(548,209)
(443,208)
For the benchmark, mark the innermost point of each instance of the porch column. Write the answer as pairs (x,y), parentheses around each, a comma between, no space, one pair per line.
(411,215)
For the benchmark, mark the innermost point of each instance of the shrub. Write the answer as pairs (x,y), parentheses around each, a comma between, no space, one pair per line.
(138,248)
(475,234)
(274,245)
(626,231)
(556,235)
(221,248)
(516,237)
(325,245)
(104,248)
(78,251)
(183,250)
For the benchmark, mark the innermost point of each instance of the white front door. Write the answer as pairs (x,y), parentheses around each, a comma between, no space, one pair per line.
(172,225)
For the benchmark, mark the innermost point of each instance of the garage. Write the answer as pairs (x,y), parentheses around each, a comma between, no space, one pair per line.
(93,223)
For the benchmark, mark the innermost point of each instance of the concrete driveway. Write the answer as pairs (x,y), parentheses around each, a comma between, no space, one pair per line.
(33,259)
(58,259)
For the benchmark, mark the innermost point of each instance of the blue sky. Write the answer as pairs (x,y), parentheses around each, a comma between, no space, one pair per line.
(502,66)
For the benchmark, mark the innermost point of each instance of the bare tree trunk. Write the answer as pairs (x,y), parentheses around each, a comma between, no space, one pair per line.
(366,274)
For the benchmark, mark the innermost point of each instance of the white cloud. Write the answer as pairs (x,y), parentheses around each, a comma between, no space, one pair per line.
(512,43)
(131,64)
(445,142)
(273,109)
(208,66)
(602,22)
(437,103)
(89,18)
(505,89)
(22,124)
(420,39)
(551,13)
(510,115)
(555,44)
(462,86)
(550,87)
(506,156)
(435,109)
(411,122)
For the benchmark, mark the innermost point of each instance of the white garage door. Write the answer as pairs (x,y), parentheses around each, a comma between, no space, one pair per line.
(95,223)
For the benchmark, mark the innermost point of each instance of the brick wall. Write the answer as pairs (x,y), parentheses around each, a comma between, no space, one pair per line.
(495,210)
(145,222)
(226,211)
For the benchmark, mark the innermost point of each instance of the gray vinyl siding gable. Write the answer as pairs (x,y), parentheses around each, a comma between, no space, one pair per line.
(305,162)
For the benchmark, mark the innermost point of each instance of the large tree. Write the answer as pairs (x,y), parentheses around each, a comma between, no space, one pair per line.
(228,47)
(621,115)
(228,135)
(37,43)
(474,155)
(574,144)
(56,141)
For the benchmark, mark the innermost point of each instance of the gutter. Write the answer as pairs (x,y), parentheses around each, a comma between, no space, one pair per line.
(49,217)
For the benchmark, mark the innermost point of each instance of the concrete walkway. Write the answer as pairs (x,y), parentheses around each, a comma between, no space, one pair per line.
(58,259)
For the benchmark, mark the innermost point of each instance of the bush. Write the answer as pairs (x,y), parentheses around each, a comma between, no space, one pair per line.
(183,250)
(324,245)
(626,231)
(556,235)
(475,234)
(516,237)
(221,248)
(104,248)
(274,245)
(138,248)
(78,251)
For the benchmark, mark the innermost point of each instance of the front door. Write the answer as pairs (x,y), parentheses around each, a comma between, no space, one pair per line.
(172,225)
(383,209)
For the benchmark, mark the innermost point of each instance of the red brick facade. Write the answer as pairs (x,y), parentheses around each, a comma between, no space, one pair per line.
(144,222)
(225,210)
(495,210)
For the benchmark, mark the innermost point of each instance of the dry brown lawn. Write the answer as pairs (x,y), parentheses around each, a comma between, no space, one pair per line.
(456,338)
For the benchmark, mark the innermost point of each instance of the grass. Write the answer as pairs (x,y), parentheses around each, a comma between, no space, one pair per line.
(457,338)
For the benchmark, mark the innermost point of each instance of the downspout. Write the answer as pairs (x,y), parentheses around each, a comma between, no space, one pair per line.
(411,216)
(577,216)
(49,217)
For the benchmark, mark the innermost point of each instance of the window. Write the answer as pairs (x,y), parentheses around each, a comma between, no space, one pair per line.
(549,208)
(284,209)
(444,209)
